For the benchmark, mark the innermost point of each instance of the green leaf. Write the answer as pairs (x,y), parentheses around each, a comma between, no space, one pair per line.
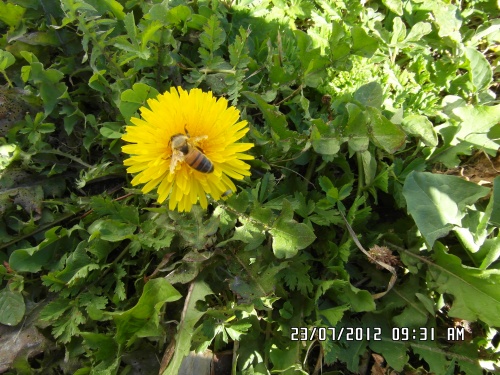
(11,14)
(115,210)
(32,259)
(78,266)
(475,292)
(394,352)
(477,121)
(111,230)
(448,20)
(143,319)
(420,126)
(178,15)
(418,31)
(437,202)
(12,307)
(289,236)
(396,6)
(134,98)
(324,140)
(495,203)
(112,6)
(111,130)
(249,232)
(357,128)
(213,34)
(480,69)
(370,95)
(104,347)
(384,133)
(274,118)
(398,31)
(198,291)
(6,59)
(363,44)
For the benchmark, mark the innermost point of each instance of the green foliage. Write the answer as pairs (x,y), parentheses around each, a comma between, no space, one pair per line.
(354,109)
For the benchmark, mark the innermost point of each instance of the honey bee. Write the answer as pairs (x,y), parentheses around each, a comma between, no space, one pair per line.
(184,148)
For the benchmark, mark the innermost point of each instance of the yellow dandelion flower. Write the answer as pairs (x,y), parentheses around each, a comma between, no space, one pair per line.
(185,146)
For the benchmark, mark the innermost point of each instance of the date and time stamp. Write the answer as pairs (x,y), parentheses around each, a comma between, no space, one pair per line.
(373,334)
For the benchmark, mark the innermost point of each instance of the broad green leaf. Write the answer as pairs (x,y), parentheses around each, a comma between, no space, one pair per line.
(492,248)
(134,98)
(112,6)
(437,202)
(111,130)
(384,133)
(448,20)
(347,294)
(395,6)
(480,69)
(178,14)
(323,138)
(363,44)
(420,126)
(11,14)
(198,291)
(477,121)
(418,31)
(495,203)
(289,236)
(111,230)
(32,259)
(143,319)
(370,95)
(12,307)
(6,59)
(398,31)
(357,128)
(286,361)
(475,292)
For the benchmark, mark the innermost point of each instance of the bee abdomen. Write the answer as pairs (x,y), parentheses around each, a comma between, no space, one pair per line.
(200,162)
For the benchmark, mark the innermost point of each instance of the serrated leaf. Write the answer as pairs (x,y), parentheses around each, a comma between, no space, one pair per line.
(130,323)
(475,292)
(115,210)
